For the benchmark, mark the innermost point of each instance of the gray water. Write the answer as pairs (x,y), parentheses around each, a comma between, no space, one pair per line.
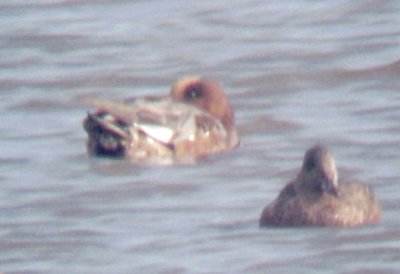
(297,73)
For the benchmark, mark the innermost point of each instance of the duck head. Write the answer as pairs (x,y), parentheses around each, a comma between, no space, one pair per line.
(319,173)
(206,95)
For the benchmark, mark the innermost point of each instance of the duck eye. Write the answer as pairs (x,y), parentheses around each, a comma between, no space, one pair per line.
(193,92)
(310,164)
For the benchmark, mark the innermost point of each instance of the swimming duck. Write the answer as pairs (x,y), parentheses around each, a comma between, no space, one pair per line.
(318,198)
(193,121)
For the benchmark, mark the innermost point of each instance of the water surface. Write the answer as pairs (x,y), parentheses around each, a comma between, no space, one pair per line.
(297,73)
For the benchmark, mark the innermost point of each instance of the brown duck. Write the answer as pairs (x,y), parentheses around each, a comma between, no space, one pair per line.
(195,120)
(317,198)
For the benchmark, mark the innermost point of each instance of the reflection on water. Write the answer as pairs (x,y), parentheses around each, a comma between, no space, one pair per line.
(296,72)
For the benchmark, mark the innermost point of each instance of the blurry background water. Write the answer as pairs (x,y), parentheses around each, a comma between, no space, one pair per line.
(297,72)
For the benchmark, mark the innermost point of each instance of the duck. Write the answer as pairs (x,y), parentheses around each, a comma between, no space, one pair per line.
(193,121)
(317,197)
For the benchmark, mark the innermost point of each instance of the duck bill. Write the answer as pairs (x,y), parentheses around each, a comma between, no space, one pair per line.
(330,187)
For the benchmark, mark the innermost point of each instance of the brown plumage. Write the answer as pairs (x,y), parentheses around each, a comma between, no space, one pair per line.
(317,198)
(193,121)
(206,95)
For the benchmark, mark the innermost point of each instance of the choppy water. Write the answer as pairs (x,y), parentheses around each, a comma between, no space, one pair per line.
(297,72)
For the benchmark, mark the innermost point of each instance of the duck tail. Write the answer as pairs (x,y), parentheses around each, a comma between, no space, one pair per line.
(107,136)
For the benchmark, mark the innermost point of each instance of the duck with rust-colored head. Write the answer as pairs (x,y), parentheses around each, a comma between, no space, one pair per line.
(195,120)
(318,198)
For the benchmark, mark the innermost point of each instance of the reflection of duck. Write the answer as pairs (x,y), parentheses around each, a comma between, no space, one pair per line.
(317,198)
(194,120)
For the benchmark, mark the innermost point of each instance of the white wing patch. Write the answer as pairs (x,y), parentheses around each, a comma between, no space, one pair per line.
(158,132)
